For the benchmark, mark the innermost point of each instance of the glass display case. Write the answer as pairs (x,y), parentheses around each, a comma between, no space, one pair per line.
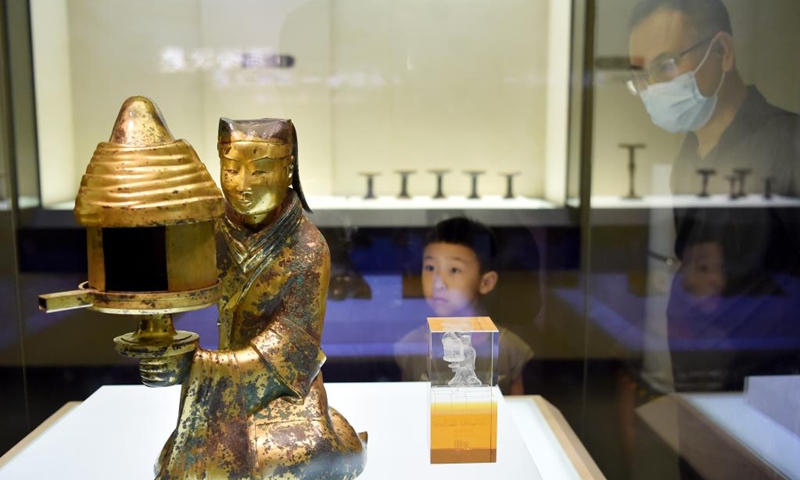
(647,274)
(374,88)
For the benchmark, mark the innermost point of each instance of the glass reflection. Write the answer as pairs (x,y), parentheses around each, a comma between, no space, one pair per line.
(731,221)
(736,289)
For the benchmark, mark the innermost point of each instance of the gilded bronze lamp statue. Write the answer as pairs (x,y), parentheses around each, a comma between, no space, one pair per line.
(256,408)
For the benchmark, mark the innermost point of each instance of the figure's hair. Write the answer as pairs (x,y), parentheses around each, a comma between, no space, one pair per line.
(707,16)
(469,233)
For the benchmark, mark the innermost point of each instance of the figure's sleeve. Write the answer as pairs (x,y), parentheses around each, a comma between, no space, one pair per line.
(291,354)
(290,344)
(282,358)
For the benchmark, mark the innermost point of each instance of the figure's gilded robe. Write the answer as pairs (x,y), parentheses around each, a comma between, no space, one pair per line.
(257,407)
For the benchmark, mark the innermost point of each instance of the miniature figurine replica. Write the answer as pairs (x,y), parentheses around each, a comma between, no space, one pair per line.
(257,407)
(462,368)
(458,350)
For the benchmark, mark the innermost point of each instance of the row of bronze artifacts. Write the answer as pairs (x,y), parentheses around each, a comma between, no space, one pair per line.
(440,173)
(736,180)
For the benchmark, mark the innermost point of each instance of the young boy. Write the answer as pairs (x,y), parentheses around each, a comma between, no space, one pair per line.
(457,271)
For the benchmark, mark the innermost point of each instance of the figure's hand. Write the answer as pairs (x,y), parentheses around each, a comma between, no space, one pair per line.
(165,371)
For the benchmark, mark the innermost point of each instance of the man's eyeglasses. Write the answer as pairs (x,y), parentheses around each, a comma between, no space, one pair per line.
(663,71)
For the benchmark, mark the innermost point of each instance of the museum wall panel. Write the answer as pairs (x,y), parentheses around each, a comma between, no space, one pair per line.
(653,336)
(376,85)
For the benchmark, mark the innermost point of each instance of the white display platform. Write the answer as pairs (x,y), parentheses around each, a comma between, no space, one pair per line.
(763,436)
(723,437)
(119,430)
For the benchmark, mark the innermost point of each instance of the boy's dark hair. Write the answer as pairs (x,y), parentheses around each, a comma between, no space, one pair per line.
(469,233)
(707,16)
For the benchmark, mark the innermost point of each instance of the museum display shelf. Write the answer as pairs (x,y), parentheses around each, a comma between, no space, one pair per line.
(492,210)
(388,211)
(422,211)
(721,436)
(617,210)
(119,430)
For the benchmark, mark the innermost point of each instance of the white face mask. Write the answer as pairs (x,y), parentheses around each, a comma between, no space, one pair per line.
(678,106)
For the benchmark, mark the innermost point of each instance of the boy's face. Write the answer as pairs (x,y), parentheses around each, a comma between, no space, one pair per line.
(704,269)
(452,279)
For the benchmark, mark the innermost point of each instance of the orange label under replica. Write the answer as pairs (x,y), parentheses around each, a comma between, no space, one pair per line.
(463,427)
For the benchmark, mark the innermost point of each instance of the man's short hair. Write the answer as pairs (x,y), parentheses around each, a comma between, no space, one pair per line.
(469,233)
(707,16)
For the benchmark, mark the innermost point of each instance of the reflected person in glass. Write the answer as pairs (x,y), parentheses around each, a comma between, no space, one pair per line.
(685,72)
(729,323)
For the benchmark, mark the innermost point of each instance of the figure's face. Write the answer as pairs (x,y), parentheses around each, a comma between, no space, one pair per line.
(662,37)
(452,279)
(254,184)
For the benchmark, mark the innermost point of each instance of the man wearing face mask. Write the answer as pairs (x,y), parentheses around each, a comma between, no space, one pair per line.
(685,74)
